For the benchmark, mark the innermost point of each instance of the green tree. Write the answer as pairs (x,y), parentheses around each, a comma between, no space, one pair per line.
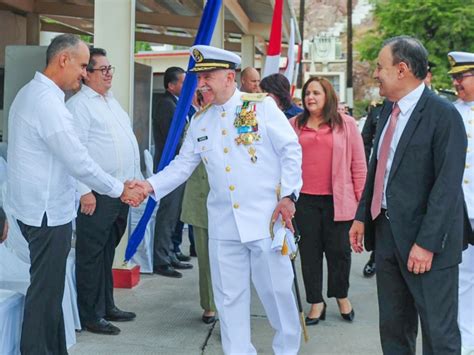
(142,46)
(441,25)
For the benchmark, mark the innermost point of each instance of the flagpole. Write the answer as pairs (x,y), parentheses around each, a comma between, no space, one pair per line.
(299,83)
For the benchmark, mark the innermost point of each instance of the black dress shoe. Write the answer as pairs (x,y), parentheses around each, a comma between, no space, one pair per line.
(168,271)
(314,321)
(102,327)
(348,316)
(369,269)
(208,319)
(118,315)
(181,257)
(192,251)
(181,266)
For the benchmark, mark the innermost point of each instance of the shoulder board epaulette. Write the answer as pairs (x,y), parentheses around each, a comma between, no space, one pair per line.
(202,110)
(258,97)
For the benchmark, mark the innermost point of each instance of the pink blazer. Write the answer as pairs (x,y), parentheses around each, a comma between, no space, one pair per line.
(349,168)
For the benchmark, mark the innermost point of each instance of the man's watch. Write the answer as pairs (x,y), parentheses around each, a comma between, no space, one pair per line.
(292,197)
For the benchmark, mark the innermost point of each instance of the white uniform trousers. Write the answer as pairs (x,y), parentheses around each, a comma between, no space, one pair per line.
(232,263)
(466,300)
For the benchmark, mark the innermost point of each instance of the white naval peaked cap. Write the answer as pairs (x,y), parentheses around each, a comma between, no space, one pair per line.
(460,62)
(209,58)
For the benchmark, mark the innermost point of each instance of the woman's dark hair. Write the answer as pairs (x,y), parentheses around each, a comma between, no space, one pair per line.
(278,85)
(330,114)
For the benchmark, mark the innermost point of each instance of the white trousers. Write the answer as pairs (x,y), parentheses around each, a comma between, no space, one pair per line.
(232,265)
(466,299)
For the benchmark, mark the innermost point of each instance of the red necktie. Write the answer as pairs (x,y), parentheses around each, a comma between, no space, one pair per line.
(382,163)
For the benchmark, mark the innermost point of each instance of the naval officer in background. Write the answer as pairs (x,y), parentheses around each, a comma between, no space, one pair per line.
(462,74)
(249,149)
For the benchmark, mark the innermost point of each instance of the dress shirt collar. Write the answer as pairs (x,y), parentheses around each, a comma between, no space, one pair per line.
(51,84)
(229,105)
(91,93)
(407,102)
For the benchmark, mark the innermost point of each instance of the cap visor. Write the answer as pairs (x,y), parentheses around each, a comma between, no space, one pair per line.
(202,69)
(460,69)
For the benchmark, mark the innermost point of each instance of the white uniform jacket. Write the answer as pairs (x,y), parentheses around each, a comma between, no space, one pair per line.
(243,193)
(466,109)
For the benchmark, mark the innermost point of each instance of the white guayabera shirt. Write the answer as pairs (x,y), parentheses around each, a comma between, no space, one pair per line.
(45,157)
(105,129)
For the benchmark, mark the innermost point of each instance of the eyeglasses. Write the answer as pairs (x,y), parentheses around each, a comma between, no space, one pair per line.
(105,70)
(461,76)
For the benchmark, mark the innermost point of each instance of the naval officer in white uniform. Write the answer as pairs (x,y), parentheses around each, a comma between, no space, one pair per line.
(249,149)
(462,73)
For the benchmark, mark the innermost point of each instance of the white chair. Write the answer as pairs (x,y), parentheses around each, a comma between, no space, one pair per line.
(148,162)
(144,254)
(15,274)
(18,277)
(11,317)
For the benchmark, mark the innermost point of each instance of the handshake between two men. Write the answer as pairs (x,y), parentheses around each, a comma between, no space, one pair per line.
(135,191)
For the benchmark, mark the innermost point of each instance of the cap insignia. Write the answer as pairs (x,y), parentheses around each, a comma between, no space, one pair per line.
(451,60)
(197,55)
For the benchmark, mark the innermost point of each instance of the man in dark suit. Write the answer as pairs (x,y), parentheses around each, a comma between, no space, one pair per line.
(165,260)
(412,207)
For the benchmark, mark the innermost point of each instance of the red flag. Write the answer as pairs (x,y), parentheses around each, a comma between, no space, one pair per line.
(272,62)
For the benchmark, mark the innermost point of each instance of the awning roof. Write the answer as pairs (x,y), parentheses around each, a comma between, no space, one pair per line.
(162,21)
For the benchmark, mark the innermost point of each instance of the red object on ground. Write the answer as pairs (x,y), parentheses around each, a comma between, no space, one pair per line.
(126,278)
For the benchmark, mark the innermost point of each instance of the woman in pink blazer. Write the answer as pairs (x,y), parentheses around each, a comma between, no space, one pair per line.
(334,171)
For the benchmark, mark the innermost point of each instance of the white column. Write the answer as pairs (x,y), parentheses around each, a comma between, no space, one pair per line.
(114,30)
(248,51)
(218,35)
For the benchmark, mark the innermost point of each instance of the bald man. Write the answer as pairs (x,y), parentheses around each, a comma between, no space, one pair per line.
(250,80)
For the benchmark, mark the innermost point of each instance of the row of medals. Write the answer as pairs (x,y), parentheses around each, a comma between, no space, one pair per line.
(247,128)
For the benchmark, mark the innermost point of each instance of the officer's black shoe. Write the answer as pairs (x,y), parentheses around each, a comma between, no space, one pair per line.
(168,271)
(181,257)
(102,327)
(118,315)
(181,266)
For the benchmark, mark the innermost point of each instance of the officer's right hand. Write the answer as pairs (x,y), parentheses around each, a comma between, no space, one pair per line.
(88,203)
(285,208)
